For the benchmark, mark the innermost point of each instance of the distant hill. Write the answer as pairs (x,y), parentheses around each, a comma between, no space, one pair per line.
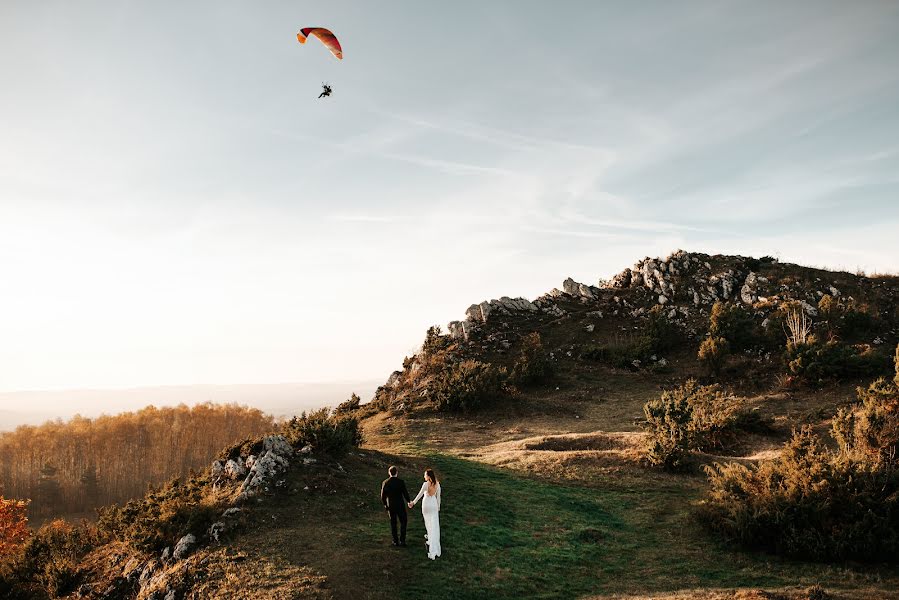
(278,400)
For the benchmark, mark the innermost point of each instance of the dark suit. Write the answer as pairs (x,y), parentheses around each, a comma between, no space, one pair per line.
(394,497)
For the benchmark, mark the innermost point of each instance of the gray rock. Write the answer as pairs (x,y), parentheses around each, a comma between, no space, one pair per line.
(184,547)
(234,470)
(216,530)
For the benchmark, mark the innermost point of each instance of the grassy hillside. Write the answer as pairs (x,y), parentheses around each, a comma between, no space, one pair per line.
(546,491)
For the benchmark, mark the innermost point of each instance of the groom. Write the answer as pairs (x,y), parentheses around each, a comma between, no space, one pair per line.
(394,497)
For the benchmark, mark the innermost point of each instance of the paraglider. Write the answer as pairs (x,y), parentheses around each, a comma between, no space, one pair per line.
(330,42)
(327,38)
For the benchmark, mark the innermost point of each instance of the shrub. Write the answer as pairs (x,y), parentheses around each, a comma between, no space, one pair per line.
(162,517)
(896,363)
(334,435)
(435,341)
(687,418)
(348,406)
(713,352)
(467,385)
(51,556)
(735,324)
(846,317)
(871,430)
(815,362)
(532,365)
(657,335)
(808,503)
(13,524)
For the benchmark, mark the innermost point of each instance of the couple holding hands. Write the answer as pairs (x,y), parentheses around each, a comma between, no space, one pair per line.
(395,499)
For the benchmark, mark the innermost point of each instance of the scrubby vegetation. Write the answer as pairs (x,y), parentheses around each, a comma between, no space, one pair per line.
(467,385)
(713,353)
(688,418)
(818,503)
(847,318)
(13,524)
(532,366)
(348,406)
(734,324)
(657,335)
(333,434)
(816,362)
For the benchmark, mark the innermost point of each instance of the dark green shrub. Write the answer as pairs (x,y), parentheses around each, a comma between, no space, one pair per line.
(348,406)
(467,385)
(816,363)
(334,435)
(687,418)
(657,335)
(808,503)
(846,317)
(735,324)
(435,341)
(532,365)
(713,353)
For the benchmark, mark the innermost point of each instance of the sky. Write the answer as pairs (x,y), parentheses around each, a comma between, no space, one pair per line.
(177,207)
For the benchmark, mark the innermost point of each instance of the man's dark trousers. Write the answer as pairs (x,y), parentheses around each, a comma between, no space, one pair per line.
(401,516)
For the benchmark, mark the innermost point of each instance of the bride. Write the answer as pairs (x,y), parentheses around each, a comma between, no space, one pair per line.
(430,510)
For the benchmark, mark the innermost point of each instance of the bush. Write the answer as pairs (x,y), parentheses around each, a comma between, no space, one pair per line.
(348,406)
(162,517)
(13,525)
(735,324)
(51,556)
(467,385)
(658,335)
(533,365)
(871,430)
(687,418)
(334,435)
(808,503)
(896,363)
(435,342)
(713,352)
(846,317)
(816,362)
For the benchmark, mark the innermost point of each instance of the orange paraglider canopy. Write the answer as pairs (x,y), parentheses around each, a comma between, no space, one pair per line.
(327,38)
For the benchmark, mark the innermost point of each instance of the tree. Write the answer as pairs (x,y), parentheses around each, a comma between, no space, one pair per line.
(48,490)
(90,485)
(13,524)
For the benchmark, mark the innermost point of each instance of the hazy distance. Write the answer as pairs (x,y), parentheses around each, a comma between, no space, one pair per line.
(278,399)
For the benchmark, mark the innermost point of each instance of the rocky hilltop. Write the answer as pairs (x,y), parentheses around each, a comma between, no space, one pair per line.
(683,288)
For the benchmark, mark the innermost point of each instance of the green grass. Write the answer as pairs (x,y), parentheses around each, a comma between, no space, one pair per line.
(508,536)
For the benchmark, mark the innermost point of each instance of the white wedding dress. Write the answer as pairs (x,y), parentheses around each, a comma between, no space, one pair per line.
(430,510)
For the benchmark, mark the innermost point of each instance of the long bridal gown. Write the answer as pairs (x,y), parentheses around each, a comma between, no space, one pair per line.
(430,510)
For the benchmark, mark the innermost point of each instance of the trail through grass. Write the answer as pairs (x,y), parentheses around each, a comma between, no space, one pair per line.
(508,536)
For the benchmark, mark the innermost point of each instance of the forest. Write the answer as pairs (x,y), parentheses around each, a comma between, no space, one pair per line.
(72,467)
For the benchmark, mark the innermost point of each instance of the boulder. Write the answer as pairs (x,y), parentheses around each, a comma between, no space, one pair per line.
(234,470)
(184,546)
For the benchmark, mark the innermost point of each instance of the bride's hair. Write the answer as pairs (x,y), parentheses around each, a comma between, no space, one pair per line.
(431,476)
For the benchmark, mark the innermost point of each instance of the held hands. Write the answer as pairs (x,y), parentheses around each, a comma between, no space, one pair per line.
(410,504)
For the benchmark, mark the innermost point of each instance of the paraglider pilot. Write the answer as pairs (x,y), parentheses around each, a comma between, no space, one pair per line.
(326,90)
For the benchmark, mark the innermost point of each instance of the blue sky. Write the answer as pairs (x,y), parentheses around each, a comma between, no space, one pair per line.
(177,207)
